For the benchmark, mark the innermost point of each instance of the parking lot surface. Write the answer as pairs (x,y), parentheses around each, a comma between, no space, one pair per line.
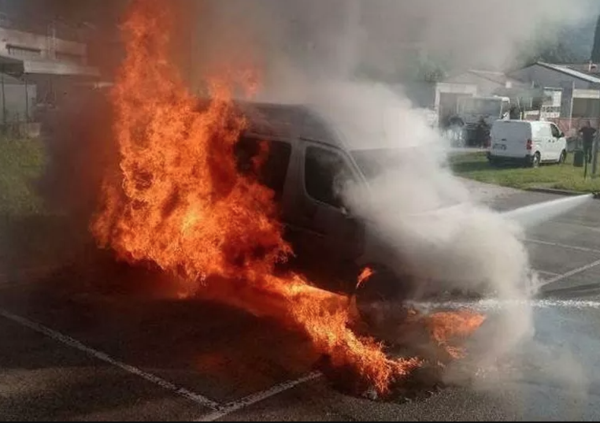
(68,355)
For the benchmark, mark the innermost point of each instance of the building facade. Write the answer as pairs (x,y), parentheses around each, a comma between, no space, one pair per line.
(580,91)
(40,63)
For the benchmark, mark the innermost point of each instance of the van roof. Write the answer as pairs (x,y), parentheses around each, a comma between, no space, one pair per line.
(287,121)
(523,122)
(300,121)
(520,122)
(293,120)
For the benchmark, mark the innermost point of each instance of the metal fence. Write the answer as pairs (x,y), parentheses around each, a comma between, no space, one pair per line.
(17,106)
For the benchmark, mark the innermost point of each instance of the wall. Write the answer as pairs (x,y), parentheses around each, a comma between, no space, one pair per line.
(31,46)
(485,87)
(548,78)
(447,95)
(586,108)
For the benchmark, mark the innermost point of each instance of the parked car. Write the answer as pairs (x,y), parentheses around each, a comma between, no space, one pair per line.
(528,142)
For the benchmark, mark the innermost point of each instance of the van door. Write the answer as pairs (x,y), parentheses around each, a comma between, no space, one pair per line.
(327,237)
(539,138)
(509,138)
(558,141)
(549,146)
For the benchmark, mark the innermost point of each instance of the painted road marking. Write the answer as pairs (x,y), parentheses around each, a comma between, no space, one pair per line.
(495,305)
(64,339)
(258,397)
(556,244)
(572,273)
(545,272)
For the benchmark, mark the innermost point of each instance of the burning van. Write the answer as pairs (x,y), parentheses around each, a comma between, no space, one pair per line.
(307,163)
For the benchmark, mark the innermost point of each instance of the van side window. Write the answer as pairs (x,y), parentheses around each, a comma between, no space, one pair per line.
(555,131)
(326,174)
(266,159)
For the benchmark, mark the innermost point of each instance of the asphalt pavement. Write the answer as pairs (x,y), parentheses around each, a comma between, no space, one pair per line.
(67,353)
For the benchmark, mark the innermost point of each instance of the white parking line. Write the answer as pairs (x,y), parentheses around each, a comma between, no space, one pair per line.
(254,398)
(57,336)
(572,273)
(545,272)
(556,244)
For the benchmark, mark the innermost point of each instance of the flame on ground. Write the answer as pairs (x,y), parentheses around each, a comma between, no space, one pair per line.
(447,328)
(177,201)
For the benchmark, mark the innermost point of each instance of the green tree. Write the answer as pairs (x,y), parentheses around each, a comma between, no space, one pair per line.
(565,45)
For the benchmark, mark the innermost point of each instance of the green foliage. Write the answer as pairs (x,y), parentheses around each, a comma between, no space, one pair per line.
(566,176)
(21,162)
(554,44)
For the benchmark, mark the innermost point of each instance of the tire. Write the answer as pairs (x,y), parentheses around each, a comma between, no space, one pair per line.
(380,299)
(563,157)
(537,159)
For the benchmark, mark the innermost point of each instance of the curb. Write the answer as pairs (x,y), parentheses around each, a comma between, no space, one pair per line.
(563,192)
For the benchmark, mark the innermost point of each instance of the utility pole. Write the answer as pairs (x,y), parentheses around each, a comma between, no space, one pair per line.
(595,152)
(595,58)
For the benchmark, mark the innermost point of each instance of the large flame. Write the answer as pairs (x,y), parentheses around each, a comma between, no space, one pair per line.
(178,202)
(447,328)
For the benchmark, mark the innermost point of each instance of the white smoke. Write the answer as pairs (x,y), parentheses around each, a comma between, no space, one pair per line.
(438,230)
(303,39)
(311,51)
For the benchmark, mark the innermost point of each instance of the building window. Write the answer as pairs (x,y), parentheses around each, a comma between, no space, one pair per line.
(24,52)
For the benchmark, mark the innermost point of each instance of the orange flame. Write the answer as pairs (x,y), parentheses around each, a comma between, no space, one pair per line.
(366,274)
(448,327)
(178,201)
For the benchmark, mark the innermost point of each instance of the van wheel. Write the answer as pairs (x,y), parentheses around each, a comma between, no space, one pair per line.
(563,157)
(380,299)
(537,159)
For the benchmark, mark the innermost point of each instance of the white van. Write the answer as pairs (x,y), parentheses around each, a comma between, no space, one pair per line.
(530,142)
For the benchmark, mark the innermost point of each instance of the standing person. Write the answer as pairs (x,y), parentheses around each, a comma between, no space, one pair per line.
(482,133)
(587,134)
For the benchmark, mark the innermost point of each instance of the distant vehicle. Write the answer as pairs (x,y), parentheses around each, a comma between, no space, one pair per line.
(472,109)
(529,142)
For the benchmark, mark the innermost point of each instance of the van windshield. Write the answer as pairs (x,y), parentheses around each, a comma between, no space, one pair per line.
(373,163)
(393,171)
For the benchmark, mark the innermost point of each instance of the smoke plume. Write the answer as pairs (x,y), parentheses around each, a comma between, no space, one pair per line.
(318,53)
(312,38)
